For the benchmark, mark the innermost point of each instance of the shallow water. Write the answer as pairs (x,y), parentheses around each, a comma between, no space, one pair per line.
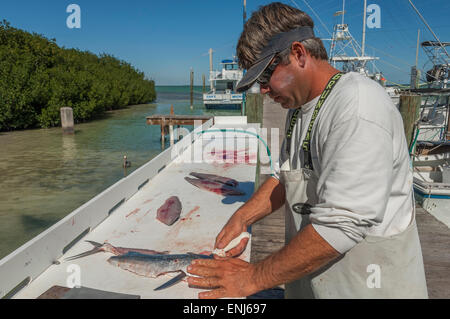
(45,175)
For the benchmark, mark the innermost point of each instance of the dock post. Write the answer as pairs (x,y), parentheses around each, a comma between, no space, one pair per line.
(254,107)
(171,136)
(192,88)
(409,108)
(67,120)
(204,85)
(415,78)
(163,124)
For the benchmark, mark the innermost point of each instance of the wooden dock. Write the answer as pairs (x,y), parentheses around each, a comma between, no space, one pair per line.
(268,233)
(167,121)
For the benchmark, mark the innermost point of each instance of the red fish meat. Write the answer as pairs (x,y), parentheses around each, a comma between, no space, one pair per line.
(216,178)
(215,187)
(170,211)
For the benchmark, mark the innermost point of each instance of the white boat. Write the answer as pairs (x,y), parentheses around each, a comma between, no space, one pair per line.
(433,123)
(223,84)
(432,170)
(432,184)
(347,55)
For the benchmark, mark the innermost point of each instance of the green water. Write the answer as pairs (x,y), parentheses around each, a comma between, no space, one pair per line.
(45,175)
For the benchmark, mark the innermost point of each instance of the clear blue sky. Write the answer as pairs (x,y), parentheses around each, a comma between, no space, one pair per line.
(164,39)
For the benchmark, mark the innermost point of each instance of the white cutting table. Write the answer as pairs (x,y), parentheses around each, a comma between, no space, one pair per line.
(133,224)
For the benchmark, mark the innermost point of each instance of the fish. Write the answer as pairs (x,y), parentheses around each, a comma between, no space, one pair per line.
(215,187)
(170,211)
(107,247)
(153,266)
(216,178)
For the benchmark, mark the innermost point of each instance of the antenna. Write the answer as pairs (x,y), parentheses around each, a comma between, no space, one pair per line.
(245,11)
(363,44)
(211,81)
(417,47)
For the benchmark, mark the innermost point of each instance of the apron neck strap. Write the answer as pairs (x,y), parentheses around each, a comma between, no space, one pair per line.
(307,141)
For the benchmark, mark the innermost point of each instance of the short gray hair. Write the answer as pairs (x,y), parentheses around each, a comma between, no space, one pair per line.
(268,21)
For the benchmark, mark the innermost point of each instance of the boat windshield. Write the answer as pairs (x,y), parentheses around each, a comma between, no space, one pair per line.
(231,67)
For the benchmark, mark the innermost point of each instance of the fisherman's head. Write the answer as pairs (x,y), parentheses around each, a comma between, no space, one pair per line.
(278,48)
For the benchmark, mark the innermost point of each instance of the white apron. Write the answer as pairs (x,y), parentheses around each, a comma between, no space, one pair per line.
(377,267)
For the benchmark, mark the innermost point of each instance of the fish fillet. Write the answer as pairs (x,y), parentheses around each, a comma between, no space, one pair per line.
(216,178)
(215,187)
(170,211)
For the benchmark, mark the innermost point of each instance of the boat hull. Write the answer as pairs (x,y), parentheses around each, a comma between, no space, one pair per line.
(436,205)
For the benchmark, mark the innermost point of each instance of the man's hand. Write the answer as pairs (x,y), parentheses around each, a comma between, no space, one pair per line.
(269,197)
(228,277)
(234,227)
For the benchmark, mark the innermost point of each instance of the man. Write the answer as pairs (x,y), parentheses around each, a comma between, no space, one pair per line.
(344,177)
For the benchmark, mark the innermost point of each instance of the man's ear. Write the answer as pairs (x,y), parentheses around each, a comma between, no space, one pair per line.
(299,53)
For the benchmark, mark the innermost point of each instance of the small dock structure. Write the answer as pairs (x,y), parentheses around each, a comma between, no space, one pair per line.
(168,121)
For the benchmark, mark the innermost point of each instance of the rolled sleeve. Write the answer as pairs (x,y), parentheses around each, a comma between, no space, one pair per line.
(354,184)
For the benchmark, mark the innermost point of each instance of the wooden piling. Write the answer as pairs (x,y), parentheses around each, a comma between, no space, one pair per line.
(254,107)
(410,110)
(163,133)
(204,84)
(171,135)
(415,78)
(67,120)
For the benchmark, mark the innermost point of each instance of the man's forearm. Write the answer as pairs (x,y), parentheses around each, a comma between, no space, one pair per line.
(305,253)
(268,197)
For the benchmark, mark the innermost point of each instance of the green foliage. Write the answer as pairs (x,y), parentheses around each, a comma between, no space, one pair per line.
(37,78)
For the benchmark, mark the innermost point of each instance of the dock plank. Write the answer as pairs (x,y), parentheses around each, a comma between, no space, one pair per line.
(435,241)
(268,233)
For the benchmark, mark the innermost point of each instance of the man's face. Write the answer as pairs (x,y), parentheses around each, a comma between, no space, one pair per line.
(288,85)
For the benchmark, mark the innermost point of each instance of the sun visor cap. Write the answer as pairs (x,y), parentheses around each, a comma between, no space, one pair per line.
(278,43)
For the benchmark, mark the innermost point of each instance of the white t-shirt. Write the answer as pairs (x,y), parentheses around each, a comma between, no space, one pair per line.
(359,153)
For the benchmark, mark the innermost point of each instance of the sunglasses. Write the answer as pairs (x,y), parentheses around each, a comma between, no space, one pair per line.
(264,78)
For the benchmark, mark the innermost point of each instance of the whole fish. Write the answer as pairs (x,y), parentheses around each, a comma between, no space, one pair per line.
(216,178)
(170,211)
(107,247)
(154,265)
(215,187)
